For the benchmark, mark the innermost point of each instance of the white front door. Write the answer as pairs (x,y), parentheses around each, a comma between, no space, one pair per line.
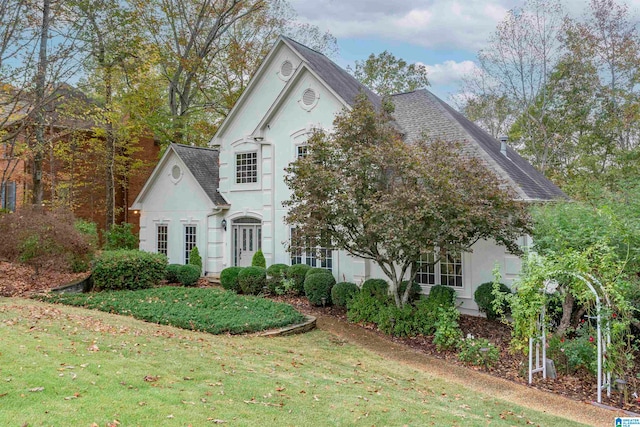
(247,240)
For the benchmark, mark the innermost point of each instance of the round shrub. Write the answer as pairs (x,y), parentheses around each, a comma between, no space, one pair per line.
(252,280)
(342,292)
(376,287)
(414,292)
(318,287)
(258,260)
(316,270)
(297,272)
(195,258)
(188,275)
(229,278)
(442,295)
(483,296)
(275,275)
(171,274)
(128,269)
(277,270)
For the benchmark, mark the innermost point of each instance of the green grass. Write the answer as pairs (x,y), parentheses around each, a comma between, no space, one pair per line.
(200,309)
(89,367)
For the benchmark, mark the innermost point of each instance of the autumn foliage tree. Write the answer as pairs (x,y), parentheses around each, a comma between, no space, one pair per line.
(364,190)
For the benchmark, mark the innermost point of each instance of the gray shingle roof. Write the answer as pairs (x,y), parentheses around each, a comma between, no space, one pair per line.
(421,113)
(203,165)
(343,83)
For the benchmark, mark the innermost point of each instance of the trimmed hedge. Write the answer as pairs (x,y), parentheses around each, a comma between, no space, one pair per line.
(172,273)
(483,296)
(342,292)
(128,269)
(188,275)
(318,287)
(376,287)
(229,278)
(252,280)
(364,307)
(297,272)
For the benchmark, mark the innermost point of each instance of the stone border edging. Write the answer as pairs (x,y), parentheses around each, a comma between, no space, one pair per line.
(300,328)
(77,286)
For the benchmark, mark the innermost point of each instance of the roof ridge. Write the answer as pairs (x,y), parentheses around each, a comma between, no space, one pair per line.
(194,146)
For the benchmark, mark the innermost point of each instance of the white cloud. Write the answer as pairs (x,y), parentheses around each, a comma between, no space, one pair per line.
(449,72)
(427,23)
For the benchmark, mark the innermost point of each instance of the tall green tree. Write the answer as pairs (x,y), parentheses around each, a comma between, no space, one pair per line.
(385,74)
(362,189)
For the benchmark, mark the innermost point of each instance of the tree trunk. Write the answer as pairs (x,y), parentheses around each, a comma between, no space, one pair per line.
(567,310)
(111,151)
(41,78)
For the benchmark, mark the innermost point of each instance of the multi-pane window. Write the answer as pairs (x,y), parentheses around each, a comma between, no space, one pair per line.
(301,151)
(247,167)
(303,253)
(189,241)
(162,237)
(447,271)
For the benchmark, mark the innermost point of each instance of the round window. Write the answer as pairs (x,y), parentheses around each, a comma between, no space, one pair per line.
(175,172)
(309,97)
(286,69)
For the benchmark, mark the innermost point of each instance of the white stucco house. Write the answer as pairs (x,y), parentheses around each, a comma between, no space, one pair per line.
(227,199)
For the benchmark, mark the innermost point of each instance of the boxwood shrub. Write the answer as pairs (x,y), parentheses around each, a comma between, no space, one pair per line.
(443,295)
(128,269)
(252,280)
(342,292)
(376,287)
(229,278)
(364,307)
(172,273)
(275,274)
(318,287)
(258,259)
(316,270)
(484,297)
(297,272)
(188,275)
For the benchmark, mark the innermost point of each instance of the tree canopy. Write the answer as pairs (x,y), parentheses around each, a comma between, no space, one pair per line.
(385,74)
(363,189)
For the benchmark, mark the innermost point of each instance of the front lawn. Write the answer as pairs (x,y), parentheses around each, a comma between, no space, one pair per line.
(201,309)
(63,365)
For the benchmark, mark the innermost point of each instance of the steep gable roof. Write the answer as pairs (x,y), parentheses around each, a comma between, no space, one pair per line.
(343,84)
(203,165)
(421,113)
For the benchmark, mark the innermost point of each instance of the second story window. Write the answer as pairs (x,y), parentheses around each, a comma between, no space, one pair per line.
(247,167)
(301,151)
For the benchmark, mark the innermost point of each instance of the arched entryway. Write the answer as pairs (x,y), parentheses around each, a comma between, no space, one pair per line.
(246,235)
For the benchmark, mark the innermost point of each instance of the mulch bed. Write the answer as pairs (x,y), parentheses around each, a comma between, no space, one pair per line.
(580,386)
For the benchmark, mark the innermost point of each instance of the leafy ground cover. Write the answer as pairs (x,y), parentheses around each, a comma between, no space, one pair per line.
(201,309)
(64,365)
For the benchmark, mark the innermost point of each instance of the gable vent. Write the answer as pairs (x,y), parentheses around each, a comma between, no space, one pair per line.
(286,69)
(309,97)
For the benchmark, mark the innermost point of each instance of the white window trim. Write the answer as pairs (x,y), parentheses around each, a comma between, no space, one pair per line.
(316,261)
(185,256)
(164,224)
(247,185)
(438,275)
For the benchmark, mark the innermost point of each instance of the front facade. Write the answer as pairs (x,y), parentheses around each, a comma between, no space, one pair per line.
(236,207)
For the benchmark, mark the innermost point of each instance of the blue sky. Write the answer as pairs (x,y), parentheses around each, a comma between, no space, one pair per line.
(444,35)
